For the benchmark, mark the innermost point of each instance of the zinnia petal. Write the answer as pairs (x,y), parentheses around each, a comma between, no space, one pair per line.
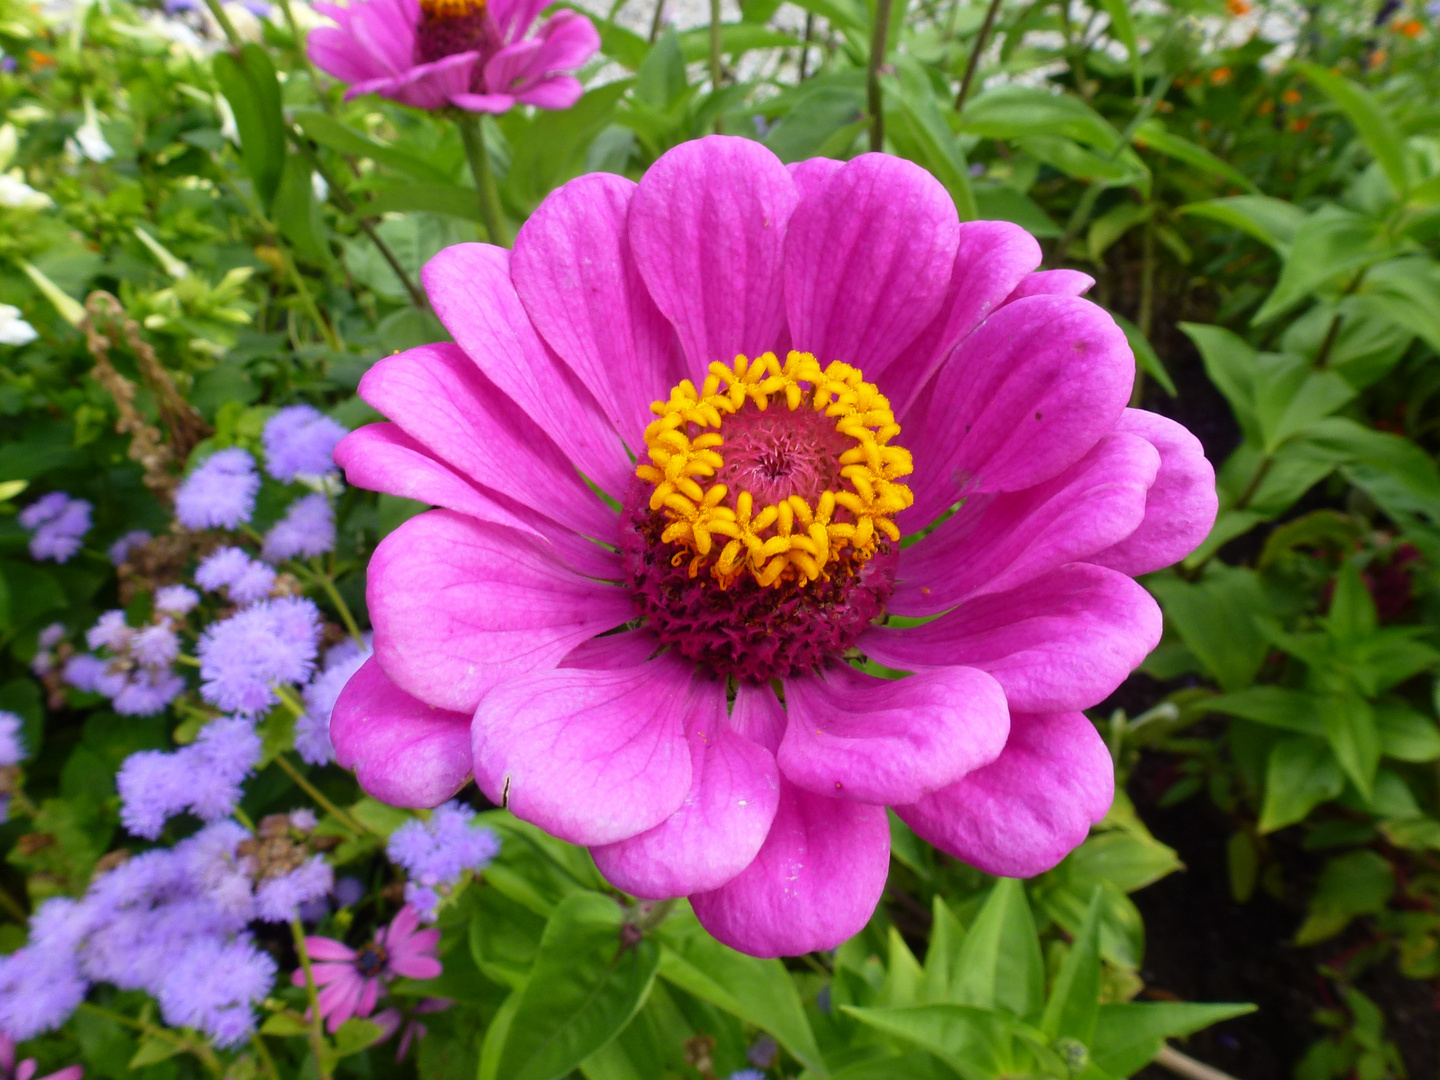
(886,741)
(404,752)
(1052,283)
(1021,815)
(589,756)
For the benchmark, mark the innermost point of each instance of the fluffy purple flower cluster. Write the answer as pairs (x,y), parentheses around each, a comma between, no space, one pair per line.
(438,852)
(170,922)
(312,731)
(12,751)
(220,492)
(204,777)
(299,441)
(120,550)
(138,673)
(57,525)
(269,642)
(306,530)
(246,579)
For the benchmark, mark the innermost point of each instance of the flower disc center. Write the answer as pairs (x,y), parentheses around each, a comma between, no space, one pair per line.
(448,27)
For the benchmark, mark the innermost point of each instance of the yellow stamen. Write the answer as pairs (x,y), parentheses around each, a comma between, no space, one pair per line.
(789,540)
(451,9)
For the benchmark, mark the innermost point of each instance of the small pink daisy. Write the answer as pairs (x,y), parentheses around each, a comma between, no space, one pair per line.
(352,979)
(27,1068)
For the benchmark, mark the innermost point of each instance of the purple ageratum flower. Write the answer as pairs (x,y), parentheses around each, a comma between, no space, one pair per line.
(278,899)
(243,657)
(230,568)
(312,731)
(57,525)
(472,54)
(306,530)
(759,545)
(213,985)
(436,853)
(12,745)
(220,492)
(204,778)
(299,441)
(41,983)
(176,600)
(120,549)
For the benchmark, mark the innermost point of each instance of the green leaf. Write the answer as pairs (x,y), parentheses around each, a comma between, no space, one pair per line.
(1301,774)
(1350,731)
(1013,111)
(451,199)
(976,1043)
(153,1050)
(1215,618)
(1000,965)
(1127,1037)
(1274,706)
(1231,364)
(1146,358)
(1243,862)
(660,82)
(1113,224)
(1331,243)
(943,972)
(250,86)
(760,992)
(284,1024)
(1357,883)
(1406,735)
(1380,134)
(1121,858)
(1405,291)
(586,984)
(297,214)
(344,139)
(933,143)
(551,149)
(1274,222)
(1000,202)
(1152,135)
(356,1034)
(1122,29)
(736,39)
(1075,999)
(1352,608)
(1290,396)
(822,123)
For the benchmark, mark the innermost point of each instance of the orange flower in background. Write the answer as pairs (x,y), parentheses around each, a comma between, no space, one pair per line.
(1220,76)
(1266,108)
(1291,96)
(1300,123)
(1238,7)
(1411,28)
(1378,57)
(38,58)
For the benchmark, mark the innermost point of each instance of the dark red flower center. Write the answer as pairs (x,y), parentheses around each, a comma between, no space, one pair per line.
(448,27)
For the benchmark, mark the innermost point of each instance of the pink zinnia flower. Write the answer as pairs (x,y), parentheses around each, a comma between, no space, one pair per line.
(472,54)
(672,684)
(352,978)
(26,1069)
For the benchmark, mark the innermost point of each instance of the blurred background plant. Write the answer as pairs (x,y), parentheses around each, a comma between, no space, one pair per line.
(203,248)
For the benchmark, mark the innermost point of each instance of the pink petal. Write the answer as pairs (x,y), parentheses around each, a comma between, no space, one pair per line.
(27,1069)
(1180,506)
(417,966)
(867,261)
(718,830)
(625,649)
(484,103)
(404,752)
(589,756)
(579,283)
(1052,283)
(889,741)
(440,399)
(563,43)
(810,175)
(459,605)
(1060,642)
(386,30)
(551,92)
(998,542)
(1022,398)
(388,1021)
(69,1072)
(513,17)
(1023,814)
(432,85)
(817,877)
(337,54)
(509,63)
(469,285)
(707,227)
(324,948)
(337,1001)
(368,997)
(990,257)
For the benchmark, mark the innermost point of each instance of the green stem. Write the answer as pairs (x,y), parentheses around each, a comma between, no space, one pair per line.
(472,134)
(199,1048)
(263,1052)
(979,47)
(317,1037)
(351,626)
(1253,486)
(231,34)
(656,915)
(306,300)
(304,56)
(304,784)
(715,72)
(10,904)
(878,35)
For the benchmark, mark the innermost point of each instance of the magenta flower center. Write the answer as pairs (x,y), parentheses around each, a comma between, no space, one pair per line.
(759,539)
(448,27)
(370,961)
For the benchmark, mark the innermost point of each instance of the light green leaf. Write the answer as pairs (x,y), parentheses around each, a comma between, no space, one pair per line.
(1113,224)
(1127,1037)
(1075,998)
(1215,618)
(1000,965)
(824,121)
(736,39)
(451,199)
(1146,358)
(1122,29)
(1301,774)
(1153,135)
(1406,735)
(943,973)
(249,84)
(1274,706)
(976,1043)
(1332,243)
(1350,730)
(297,214)
(1380,134)
(153,1050)
(1357,883)
(342,138)
(1274,222)
(356,1034)
(1012,111)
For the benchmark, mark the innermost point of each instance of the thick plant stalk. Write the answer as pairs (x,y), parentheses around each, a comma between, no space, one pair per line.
(473,136)
(879,33)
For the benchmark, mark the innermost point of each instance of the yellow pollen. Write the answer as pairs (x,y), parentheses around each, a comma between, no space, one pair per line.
(451,9)
(790,540)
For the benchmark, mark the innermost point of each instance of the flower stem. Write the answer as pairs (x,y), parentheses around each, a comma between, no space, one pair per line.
(327,585)
(979,47)
(263,1053)
(303,783)
(317,1037)
(231,34)
(715,72)
(10,904)
(878,34)
(306,300)
(472,134)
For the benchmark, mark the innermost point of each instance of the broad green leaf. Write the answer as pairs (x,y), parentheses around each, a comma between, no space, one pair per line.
(1000,202)
(1215,618)
(356,1034)
(1012,111)
(1350,730)
(1146,358)
(904,978)
(943,973)
(587,982)
(249,84)
(1357,883)
(342,138)
(1000,966)
(660,81)
(1406,735)
(551,149)
(283,1024)
(1380,134)
(153,1050)
(1301,774)
(1319,528)
(1152,135)
(824,121)
(451,199)
(915,1066)
(1231,364)
(1126,860)
(976,1043)
(1332,244)
(504,937)
(1274,706)
(1406,291)
(1113,224)
(736,39)
(497,1033)
(1075,998)
(760,992)
(1127,1037)
(934,144)
(1274,222)
(1411,472)
(1290,396)
(297,215)
(1073,159)
(1243,862)
(1352,608)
